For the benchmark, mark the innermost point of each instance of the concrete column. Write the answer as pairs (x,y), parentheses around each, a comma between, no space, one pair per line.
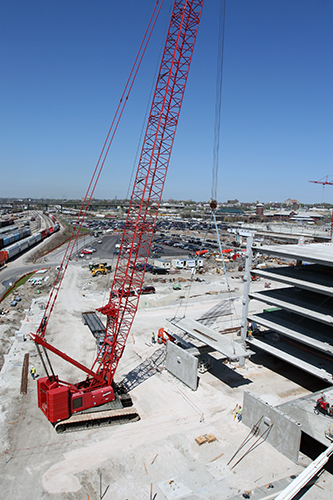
(247,281)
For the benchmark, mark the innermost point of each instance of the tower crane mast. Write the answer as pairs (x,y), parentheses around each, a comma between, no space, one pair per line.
(326,183)
(59,399)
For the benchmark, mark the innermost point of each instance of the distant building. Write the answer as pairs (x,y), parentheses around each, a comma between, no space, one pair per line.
(260,210)
(292,203)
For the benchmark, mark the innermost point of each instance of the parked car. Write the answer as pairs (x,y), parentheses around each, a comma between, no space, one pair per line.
(87,251)
(140,267)
(159,270)
(146,290)
(127,293)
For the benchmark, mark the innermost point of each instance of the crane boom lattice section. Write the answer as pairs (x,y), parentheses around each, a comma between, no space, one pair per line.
(149,182)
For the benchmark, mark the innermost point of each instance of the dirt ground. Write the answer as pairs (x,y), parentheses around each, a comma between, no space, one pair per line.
(156,457)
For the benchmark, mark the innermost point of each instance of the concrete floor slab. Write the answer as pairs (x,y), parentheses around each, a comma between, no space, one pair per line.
(295,355)
(305,331)
(229,348)
(314,306)
(319,253)
(311,277)
(303,410)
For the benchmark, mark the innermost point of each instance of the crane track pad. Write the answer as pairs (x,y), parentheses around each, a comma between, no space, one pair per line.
(97,419)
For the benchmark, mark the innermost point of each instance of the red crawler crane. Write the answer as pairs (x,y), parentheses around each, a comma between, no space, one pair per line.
(59,399)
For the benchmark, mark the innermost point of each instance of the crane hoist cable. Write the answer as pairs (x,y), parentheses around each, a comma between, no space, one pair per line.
(143,128)
(218,99)
(98,168)
(217,127)
(216,144)
(216,150)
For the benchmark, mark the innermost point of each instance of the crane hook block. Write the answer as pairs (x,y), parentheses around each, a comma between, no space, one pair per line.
(213,204)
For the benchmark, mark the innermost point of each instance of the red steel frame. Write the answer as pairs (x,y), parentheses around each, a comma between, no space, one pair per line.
(149,181)
(146,196)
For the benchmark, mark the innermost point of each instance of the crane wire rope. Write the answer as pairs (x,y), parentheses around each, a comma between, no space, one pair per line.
(218,99)
(99,166)
(216,146)
(217,134)
(143,128)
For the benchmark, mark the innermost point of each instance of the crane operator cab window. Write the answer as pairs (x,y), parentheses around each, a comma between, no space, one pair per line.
(77,403)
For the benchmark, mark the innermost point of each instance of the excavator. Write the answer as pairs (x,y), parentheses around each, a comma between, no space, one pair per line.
(96,400)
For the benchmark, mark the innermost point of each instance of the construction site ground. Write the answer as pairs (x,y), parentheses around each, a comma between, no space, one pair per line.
(158,456)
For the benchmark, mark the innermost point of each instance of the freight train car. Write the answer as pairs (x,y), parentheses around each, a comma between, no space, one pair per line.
(14,236)
(6,222)
(4,231)
(19,247)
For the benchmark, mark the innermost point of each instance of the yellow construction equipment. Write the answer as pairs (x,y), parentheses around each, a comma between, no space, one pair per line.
(100,269)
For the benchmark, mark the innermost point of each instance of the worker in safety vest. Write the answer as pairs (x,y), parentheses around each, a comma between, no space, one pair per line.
(239,414)
(153,338)
(33,372)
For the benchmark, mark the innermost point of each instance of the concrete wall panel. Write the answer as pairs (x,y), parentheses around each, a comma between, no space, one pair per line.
(182,365)
(285,435)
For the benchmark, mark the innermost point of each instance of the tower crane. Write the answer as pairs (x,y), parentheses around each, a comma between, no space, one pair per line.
(326,183)
(60,400)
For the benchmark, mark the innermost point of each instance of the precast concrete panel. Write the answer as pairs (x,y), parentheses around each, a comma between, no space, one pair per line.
(285,433)
(182,365)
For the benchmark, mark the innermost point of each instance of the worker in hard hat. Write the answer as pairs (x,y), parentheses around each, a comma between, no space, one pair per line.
(33,372)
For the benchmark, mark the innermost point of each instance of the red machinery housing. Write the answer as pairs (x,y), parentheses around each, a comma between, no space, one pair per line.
(325,404)
(59,399)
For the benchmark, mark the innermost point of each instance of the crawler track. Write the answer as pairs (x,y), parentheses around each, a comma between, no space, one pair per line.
(97,419)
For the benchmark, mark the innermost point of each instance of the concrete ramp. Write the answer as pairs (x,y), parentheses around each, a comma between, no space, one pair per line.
(231,349)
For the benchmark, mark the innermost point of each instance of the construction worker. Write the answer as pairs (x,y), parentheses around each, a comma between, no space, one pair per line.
(153,338)
(33,372)
(239,414)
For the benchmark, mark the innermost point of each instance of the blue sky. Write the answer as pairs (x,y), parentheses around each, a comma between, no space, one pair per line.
(64,65)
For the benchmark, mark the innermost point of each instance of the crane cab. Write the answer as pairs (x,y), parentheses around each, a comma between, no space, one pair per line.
(58,402)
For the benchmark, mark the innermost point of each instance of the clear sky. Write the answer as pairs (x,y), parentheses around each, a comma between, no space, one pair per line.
(64,64)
